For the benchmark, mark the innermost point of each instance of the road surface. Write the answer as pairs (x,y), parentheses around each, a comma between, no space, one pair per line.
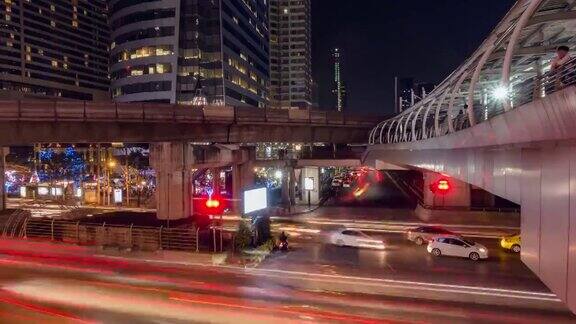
(66,285)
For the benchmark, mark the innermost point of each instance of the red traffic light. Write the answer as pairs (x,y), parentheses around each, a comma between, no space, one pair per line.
(441,187)
(212,203)
(210,206)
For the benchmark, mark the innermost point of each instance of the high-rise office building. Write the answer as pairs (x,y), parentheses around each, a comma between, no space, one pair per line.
(177,51)
(339,89)
(290,54)
(56,49)
(411,92)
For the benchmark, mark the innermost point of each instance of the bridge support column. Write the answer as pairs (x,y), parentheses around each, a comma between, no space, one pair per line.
(3,153)
(292,185)
(548,198)
(289,186)
(457,196)
(243,175)
(314,173)
(173,165)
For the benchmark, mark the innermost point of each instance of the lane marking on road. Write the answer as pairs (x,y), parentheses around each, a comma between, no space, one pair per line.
(393,283)
(328,221)
(467,234)
(315,314)
(332,221)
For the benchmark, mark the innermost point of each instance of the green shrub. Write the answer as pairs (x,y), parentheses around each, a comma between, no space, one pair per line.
(268,246)
(243,236)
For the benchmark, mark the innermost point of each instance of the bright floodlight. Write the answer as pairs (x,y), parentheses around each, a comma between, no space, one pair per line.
(278,174)
(500,93)
(255,200)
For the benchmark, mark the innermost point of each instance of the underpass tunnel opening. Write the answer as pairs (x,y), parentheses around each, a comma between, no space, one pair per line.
(362,187)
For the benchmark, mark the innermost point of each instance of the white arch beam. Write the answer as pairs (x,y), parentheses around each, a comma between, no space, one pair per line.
(512,44)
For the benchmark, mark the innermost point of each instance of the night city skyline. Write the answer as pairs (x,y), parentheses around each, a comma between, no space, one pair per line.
(245,161)
(422,39)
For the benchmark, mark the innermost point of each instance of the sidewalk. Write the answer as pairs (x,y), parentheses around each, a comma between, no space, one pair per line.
(34,248)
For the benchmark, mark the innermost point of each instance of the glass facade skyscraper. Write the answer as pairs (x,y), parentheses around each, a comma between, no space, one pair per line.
(55,49)
(162,48)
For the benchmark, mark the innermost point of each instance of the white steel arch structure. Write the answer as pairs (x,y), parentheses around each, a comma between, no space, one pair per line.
(514,60)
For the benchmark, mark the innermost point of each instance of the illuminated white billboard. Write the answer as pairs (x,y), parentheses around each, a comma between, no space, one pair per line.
(309,183)
(43,191)
(118,196)
(255,200)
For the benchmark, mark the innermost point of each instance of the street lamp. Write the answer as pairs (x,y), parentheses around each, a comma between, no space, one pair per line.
(500,93)
(111,165)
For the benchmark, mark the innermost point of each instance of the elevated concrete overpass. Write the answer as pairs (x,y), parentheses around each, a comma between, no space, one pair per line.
(504,122)
(26,122)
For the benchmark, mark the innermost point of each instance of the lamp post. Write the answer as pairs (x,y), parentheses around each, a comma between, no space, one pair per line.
(309,186)
(110,166)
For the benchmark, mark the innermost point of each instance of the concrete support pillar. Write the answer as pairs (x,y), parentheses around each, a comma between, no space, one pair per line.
(285,189)
(3,153)
(173,163)
(242,178)
(457,196)
(314,173)
(288,186)
(292,186)
(548,199)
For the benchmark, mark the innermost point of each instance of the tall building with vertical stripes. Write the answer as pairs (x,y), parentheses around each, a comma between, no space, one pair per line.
(291,54)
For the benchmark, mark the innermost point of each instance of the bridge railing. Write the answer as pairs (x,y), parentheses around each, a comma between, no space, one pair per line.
(86,111)
(546,84)
(404,129)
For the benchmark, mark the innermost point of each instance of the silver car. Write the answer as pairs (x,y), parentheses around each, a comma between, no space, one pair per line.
(424,234)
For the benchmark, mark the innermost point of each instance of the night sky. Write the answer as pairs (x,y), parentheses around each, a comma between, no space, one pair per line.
(424,39)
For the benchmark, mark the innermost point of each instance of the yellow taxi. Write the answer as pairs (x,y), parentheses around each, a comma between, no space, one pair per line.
(511,243)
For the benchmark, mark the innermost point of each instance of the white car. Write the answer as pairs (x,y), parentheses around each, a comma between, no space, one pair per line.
(451,245)
(355,238)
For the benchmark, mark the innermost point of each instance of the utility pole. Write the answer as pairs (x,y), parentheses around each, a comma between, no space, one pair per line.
(396,104)
(127,177)
(98,165)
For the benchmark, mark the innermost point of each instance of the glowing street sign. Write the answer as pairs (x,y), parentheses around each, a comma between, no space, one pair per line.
(118,196)
(309,183)
(23,192)
(43,191)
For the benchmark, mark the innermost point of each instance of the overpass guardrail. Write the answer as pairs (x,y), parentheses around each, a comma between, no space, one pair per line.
(87,111)
(433,117)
